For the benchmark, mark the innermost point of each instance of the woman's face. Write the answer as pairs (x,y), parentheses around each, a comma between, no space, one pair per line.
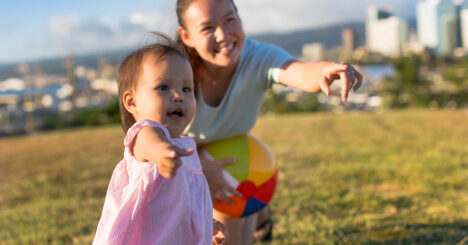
(214,30)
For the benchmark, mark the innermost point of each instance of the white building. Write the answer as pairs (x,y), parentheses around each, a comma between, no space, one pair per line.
(427,22)
(448,33)
(348,43)
(313,51)
(437,22)
(385,34)
(464,28)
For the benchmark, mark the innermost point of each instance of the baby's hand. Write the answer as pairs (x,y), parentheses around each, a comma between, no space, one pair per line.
(220,234)
(170,160)
(152,145)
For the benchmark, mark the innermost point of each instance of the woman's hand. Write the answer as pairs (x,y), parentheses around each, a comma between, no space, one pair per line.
(330,71)
(213,171)
(315,76)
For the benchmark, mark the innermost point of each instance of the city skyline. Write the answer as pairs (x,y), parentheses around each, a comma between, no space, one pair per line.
(38,30)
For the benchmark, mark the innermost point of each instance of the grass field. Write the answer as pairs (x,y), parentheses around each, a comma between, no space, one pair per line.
(400,177)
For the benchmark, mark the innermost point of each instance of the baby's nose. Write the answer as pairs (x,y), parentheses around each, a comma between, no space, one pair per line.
(178,96)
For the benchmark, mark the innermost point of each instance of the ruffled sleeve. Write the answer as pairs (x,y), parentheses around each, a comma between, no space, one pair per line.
(133,131)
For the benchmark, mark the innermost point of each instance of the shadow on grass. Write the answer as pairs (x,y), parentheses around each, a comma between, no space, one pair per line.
(416,233)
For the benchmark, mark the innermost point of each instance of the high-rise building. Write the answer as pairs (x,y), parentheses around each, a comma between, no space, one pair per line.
(426,18)
(458,8)
(448,33)
(348,42)
(438,25)
(385,34)
(313,51)
(375,14)
(464,28)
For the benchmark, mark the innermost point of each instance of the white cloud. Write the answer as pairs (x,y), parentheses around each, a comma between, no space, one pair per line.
(70,34)
(62,25)
(153,21)
(78,35)
(280,16)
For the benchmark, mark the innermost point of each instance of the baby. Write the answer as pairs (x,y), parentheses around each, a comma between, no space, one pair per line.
(157,193)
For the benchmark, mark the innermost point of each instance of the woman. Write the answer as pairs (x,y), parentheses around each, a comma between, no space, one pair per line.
(232,73)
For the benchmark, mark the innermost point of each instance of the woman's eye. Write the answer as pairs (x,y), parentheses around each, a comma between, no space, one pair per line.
(163,88)
(206,28)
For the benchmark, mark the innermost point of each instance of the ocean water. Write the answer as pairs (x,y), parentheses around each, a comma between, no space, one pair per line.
(376,73)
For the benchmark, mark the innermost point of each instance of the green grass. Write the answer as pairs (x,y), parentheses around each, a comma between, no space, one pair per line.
(400,177)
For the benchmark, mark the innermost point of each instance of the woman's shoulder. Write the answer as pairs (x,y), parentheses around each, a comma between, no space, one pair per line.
(252,45)
(256,49)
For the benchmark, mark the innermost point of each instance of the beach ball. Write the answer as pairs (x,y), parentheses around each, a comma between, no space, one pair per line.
(255,173)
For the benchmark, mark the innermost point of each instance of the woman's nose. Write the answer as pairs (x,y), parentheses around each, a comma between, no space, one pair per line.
(220,33)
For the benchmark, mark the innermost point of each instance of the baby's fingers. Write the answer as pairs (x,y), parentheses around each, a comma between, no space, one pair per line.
(184,152)
(175,152)
(168,168)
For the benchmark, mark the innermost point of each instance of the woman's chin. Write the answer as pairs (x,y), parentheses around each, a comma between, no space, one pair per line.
(227,61)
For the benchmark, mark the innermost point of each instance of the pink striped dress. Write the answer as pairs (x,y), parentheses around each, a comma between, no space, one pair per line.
(142,207)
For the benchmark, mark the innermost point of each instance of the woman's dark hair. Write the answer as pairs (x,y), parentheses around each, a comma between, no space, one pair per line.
(182,6)
(131,67)
(194,58)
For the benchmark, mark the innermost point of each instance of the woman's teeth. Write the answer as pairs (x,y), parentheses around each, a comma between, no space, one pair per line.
(227,48)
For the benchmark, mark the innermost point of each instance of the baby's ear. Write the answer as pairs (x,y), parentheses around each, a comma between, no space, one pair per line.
(129,102)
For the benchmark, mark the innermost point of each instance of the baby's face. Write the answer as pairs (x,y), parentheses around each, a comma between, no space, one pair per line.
(164,93)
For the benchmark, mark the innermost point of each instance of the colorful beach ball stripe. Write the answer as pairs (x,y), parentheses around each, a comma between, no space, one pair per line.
(255,173)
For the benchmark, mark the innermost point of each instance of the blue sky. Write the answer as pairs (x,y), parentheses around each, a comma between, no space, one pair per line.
(36,29)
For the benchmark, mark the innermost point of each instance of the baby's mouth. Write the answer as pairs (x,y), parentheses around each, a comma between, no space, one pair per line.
(177,113)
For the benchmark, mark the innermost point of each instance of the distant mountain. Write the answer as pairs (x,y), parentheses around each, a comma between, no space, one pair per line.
(56,65)
(292,42)
(329,36)
(7,71)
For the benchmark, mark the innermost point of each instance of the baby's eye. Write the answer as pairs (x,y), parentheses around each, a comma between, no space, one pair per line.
(187,90)
(163,87)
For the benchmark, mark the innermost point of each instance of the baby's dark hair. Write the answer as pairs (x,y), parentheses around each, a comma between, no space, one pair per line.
(131,67)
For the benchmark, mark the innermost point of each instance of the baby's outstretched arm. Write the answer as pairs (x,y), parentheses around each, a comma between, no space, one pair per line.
(151,145)
(220,234)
